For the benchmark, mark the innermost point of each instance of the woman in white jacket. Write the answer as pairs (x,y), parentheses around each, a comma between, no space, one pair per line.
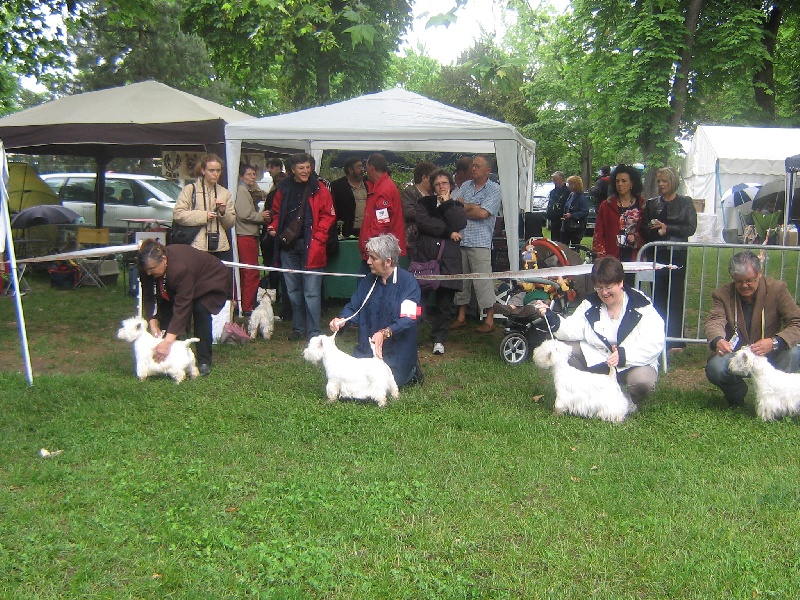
(617,326)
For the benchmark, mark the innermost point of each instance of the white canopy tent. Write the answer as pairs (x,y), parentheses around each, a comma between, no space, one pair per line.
(720,157)
(398,120)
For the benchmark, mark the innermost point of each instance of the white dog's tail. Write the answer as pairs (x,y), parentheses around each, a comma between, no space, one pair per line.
(192,340)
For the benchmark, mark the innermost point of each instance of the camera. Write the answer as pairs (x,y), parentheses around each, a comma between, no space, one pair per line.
(213,241)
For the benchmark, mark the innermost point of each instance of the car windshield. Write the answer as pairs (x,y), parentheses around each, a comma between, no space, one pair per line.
(169,187)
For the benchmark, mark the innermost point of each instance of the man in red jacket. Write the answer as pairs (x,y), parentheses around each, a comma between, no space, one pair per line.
(384,210)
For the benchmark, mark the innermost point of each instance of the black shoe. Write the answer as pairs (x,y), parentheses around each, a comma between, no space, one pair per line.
(419,376)
(295,335)
(205,369)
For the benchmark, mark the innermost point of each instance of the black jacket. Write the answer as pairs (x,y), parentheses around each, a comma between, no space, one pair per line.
(555,206)
(345,204)
(435,224)
(679,215)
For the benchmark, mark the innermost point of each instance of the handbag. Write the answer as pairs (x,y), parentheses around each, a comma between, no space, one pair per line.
(185,234)
(430,267)
(576,224)
(291,233)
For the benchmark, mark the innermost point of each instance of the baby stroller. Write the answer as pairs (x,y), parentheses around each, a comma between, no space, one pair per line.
(525,328)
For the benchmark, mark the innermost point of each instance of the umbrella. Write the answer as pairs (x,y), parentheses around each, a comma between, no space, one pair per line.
(772,196)
(738,198)
(44,214)
(25,188)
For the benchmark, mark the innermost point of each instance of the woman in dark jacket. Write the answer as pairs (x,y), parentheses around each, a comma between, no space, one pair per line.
(440,218)
(669,218)
(576,210)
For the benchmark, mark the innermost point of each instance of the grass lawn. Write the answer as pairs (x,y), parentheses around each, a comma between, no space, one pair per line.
(247,484)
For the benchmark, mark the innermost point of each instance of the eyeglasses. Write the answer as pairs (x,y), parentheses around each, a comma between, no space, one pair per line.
(748,282)
(605,289)
(151,269)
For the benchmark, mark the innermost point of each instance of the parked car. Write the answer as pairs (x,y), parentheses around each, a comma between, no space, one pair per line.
(590,220)
(128,196)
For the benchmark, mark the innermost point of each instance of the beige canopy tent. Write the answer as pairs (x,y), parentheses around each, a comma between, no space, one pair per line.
(134,121)
(399,120)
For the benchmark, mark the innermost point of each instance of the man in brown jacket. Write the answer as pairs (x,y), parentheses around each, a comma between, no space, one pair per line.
(753,310)
(184,284)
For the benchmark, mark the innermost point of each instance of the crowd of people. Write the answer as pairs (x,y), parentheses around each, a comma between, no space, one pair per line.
(449,218)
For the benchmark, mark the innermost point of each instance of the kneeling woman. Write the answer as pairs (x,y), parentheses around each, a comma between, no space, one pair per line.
(617,326)
(183,283)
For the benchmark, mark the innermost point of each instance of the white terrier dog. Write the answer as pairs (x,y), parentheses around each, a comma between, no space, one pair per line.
(776,392)
(580,393)
(179,363)
(263,319)
(350,377)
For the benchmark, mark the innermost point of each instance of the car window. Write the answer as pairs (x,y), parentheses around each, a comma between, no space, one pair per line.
(170,188)
(123,191)
(55,183)
(78,189)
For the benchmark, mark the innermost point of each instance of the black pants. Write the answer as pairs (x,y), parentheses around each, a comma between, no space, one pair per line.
(201,319)
(572,237)
(440,312)
(668,291)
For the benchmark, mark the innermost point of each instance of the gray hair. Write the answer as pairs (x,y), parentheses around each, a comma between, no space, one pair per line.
(151,250)
(386,246)
(742,262)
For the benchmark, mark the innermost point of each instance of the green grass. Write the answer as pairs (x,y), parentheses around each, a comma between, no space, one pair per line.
(247,484)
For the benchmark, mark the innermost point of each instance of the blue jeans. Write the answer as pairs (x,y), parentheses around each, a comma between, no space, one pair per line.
(734,386)
(304,291)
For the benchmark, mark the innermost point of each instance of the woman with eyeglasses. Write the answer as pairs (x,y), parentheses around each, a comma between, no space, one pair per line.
(205,203)
(439,221)
(616,326)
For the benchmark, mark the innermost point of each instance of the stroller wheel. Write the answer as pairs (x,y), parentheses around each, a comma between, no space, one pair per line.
(515,348)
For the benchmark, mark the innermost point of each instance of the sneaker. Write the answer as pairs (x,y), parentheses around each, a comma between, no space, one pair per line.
(295,335)
(205,369)
(438,348)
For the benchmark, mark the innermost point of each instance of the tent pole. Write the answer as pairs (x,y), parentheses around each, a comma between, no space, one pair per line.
(5,226)
(100,187)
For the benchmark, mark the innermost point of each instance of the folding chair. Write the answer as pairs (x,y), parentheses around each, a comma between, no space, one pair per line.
(90,267)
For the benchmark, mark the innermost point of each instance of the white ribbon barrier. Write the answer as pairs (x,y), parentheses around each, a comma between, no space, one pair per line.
(547,273)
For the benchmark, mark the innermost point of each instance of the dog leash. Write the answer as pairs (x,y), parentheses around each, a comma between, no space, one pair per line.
(363,304)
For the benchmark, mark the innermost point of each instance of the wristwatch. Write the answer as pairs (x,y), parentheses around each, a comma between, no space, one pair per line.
(775,343)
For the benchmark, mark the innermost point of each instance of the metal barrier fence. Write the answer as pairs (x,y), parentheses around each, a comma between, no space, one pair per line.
(704,268)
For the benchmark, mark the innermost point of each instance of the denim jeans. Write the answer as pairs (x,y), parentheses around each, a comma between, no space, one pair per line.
(304,291)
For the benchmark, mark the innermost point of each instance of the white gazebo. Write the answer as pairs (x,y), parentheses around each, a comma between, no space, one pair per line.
(398,120)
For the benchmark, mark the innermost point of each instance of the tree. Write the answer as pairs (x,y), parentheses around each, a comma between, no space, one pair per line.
(35,32)
(414,71)
(312,51)
(112,51)
(661,65)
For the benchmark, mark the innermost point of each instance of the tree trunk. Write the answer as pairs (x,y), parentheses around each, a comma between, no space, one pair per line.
(323,73)
(764,80)
(680,90)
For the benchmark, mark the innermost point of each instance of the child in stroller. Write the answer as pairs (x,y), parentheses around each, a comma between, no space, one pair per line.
(525,328)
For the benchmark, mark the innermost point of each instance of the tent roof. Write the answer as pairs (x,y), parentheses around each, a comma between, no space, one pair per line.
(764,143)
(132,120)
(395,119)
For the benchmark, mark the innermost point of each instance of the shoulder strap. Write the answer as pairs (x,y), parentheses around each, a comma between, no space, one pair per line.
(441,250)
(194,196)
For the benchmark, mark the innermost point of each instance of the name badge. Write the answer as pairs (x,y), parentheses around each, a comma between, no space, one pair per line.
(382,215)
